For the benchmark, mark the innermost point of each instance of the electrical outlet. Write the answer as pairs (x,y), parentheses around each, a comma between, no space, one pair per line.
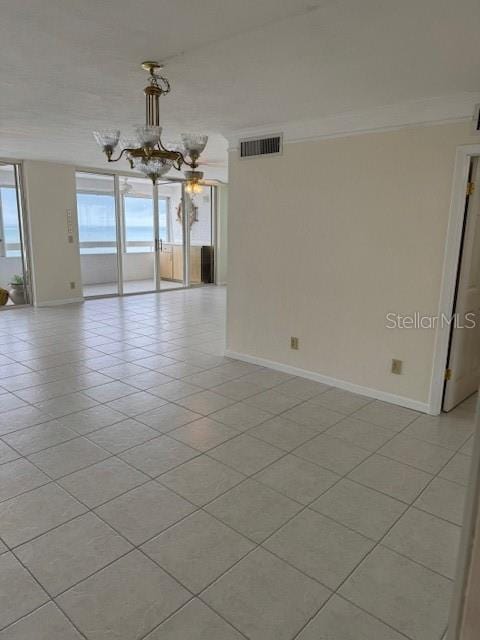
(294,343)
(72,285)
(397,366)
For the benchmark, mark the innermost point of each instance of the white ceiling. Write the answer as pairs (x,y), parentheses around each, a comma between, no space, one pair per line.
(70,66)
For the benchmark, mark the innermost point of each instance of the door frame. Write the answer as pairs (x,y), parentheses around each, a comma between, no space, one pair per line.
(451,265)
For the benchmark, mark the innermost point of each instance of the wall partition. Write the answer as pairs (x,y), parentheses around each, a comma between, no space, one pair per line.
(14,280)
(135,238)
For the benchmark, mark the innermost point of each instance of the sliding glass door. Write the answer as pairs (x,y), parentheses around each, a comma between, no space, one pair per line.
(135,238)
(14,289)
(138,235)
(97,234)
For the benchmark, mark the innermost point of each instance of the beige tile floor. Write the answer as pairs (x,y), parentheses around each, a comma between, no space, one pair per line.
(129,286)
(151,488)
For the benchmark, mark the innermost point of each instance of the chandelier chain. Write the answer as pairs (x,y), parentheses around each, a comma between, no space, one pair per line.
(160,82)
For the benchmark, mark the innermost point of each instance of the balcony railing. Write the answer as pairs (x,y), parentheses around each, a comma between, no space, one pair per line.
(10,249)
(144,246)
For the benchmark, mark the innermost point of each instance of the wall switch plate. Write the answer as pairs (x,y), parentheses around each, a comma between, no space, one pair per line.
(72,285)
(397,366)
(294,343)
(69,221)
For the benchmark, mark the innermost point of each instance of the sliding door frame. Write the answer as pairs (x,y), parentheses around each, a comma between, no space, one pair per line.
(186,240)
(156,239)
(23,230)
(120,228)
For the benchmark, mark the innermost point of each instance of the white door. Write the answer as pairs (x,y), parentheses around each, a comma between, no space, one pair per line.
(464,359)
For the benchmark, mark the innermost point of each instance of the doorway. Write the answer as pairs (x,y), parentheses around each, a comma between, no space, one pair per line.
(14,274)
(462,373)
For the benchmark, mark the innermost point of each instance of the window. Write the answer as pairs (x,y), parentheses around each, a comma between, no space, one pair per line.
(138,224)
(164,222)
(96,222)
(11,247)
(97,233)
(12,252)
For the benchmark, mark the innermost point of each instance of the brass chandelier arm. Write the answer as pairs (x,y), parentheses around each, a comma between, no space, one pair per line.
(147,153)
(181,157)
(119,157)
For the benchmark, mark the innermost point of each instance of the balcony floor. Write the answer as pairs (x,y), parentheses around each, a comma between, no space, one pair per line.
(131,286)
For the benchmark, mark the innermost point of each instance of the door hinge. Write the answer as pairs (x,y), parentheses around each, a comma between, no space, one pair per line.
(448,374)
(470,188)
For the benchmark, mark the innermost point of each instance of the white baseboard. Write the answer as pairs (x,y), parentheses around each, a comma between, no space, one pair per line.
(55,303)
(409,403)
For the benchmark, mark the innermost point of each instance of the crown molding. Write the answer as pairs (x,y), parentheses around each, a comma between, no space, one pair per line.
(440,110)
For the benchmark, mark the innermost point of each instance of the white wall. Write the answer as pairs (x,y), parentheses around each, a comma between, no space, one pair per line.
(222,234)
(138,266)
(50,191)
(201,230)
(328,238)
(98,268)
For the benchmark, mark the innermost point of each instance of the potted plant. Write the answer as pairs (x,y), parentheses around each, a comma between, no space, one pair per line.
(17,290)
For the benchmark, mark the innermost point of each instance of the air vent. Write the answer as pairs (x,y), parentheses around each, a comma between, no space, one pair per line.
(253,147)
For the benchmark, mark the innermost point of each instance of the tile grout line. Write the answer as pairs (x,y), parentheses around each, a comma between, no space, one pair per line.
(286,453)
(248,476)
(108,524)
(378,544)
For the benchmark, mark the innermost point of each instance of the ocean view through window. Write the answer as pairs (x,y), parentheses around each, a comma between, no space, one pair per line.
(96,222)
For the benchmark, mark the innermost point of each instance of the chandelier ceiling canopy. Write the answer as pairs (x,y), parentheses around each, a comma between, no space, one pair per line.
(146,151)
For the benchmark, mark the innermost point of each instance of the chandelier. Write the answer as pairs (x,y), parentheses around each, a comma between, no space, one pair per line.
(146,152)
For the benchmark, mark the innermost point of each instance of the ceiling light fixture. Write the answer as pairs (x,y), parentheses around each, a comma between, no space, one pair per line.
(193,183)
(146,152)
